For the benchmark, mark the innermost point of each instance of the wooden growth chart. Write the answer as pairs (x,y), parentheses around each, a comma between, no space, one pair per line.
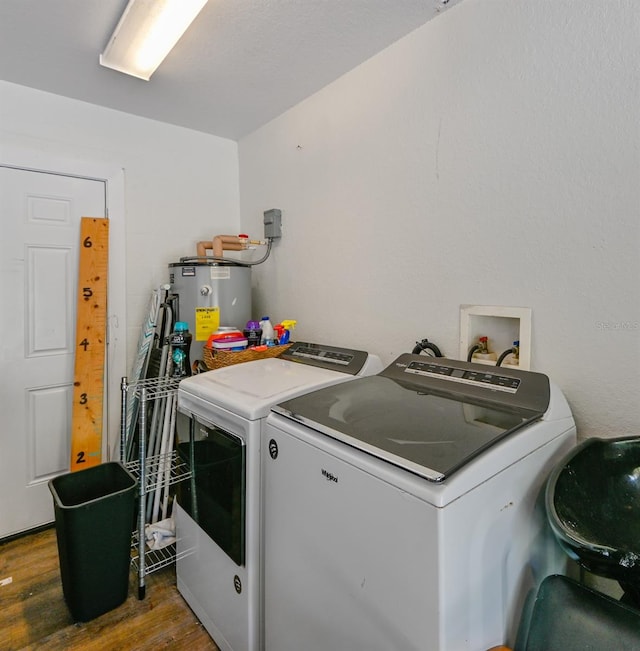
(90,344)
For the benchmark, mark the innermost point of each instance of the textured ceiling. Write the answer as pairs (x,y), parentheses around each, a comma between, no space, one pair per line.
(242,63)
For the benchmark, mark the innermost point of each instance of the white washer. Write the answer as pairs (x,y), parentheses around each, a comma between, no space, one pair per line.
(405,510)
(221,414)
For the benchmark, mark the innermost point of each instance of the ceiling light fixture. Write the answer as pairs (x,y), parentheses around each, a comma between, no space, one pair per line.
(147,31)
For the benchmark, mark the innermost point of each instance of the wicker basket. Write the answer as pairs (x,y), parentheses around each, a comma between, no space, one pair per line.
(214,359)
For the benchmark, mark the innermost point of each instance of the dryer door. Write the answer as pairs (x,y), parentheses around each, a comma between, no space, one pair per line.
(215,496)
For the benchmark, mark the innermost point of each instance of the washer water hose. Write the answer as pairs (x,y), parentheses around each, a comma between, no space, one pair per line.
(482,347)
(425,344)
(472,350)
(514,350)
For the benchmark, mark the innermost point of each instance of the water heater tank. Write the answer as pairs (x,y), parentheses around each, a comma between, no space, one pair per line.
(210,294)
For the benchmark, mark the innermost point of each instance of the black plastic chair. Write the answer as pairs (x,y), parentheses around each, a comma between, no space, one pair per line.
(593,507)
(566,615)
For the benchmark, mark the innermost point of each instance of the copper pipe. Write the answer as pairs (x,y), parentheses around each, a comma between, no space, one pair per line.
(221,243)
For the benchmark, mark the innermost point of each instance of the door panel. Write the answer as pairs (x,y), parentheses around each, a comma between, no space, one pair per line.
(49,314)
(47,431)
(39,242)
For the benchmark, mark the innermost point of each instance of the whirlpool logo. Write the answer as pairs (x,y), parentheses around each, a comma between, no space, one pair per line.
(329,476)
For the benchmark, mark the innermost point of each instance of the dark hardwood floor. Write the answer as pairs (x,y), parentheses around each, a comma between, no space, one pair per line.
(33,614)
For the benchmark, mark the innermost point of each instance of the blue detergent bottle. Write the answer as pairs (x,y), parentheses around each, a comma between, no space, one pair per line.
(180,345)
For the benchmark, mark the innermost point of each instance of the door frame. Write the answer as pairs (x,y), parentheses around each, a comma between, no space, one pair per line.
(113,176)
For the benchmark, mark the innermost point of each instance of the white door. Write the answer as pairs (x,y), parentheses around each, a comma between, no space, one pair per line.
(39,236)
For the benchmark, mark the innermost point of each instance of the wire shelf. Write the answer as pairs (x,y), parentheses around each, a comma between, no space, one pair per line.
(154,559)
(155,387)
(158,468)
(155,472)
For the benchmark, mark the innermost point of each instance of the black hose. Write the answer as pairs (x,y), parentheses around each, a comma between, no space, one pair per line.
(471,351)
(425,344)
(504,355)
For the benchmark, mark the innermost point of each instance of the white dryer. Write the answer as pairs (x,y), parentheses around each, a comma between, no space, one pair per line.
(405,510)
(218,512)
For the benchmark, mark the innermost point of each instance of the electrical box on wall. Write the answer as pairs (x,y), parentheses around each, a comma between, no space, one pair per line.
(272,223)
(502,327)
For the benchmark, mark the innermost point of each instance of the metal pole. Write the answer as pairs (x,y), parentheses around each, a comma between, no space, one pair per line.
(143,488)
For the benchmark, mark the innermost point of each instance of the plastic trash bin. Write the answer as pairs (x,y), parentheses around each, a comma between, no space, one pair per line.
(94,511)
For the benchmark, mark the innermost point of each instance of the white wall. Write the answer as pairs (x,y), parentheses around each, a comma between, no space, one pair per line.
(181,186)
(490,157)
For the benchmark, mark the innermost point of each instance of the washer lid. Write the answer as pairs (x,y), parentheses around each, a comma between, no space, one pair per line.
(250,389)
(412,422)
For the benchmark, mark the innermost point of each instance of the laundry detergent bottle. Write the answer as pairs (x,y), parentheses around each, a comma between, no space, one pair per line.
(268,333)
(180,344)
(253,332)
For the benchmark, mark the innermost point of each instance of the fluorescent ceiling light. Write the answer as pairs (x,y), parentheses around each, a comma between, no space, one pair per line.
(148,30)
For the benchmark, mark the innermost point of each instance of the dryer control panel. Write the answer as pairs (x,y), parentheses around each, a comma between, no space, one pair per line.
(345,360)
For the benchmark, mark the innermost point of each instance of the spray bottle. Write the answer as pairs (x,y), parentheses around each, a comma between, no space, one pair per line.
(287,325)
(279,330)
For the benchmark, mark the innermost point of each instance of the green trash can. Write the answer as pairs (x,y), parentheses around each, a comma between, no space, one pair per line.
(94,511)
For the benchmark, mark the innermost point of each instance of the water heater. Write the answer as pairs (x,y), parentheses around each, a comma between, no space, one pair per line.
(210,294)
